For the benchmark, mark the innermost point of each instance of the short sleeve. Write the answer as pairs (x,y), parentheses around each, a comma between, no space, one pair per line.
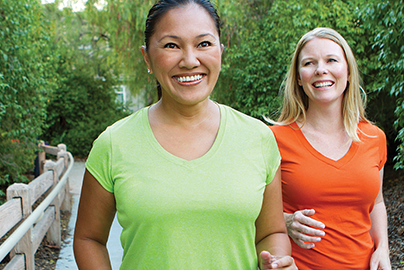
(272,155)
(99,161)
(382,148)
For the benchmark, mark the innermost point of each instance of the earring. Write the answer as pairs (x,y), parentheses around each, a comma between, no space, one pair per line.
(148,70)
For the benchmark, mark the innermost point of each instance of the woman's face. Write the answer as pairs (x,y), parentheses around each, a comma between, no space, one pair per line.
(185,54)
(323,71)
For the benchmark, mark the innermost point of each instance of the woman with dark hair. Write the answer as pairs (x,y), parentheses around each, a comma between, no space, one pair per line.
(332,160)
(194,184)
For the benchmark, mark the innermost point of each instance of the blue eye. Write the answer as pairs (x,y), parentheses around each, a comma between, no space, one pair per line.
(332,60)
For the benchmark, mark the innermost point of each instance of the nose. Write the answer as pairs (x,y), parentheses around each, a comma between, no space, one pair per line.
(321,68)
(189,59)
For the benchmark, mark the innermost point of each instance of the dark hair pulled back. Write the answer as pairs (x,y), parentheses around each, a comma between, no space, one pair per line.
(162,7)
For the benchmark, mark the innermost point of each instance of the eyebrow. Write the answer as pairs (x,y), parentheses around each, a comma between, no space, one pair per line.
(328,55)
(177,37)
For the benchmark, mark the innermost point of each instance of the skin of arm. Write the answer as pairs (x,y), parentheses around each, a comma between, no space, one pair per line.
(95,216)
(380,258)
(271,234)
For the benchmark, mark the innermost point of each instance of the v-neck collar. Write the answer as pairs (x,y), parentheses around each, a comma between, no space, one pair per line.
(172,158)
(335,163)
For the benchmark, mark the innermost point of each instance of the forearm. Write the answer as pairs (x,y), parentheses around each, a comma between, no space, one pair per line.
(90,254)
(277,244)
(378,230)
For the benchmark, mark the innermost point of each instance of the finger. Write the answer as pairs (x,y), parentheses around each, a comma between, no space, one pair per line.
(311,238)
(265,259)
(375,265)
(303,244)
(310,232)
(265,256)
(304,217)
(308,212)
(282,262)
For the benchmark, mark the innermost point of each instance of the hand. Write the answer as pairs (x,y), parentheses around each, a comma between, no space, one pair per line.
(269,261)
(380,260)
(301,228)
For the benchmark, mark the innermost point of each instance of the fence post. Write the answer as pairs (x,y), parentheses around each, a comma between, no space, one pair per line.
(41,158)
(66,204)
(24,246)
(54,233)
(62,147)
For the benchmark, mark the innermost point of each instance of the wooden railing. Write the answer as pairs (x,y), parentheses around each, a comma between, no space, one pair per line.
(28,227)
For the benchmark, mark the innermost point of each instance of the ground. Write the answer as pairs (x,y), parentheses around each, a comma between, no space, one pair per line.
(393,189)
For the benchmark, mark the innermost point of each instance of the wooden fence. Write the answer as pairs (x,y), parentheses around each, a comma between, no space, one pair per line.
(27,227)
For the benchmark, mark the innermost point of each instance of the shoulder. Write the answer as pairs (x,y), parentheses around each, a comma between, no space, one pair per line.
(126,125)
(282,131)
(232,116)
(371,131)
(129,120)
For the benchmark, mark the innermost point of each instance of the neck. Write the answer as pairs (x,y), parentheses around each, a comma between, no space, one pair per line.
(326,119)
(186,116)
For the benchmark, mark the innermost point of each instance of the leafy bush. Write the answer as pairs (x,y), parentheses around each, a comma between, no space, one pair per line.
(384,21)
(25,72)
(81,108)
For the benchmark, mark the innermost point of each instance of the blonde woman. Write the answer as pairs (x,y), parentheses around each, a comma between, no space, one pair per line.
(332,160)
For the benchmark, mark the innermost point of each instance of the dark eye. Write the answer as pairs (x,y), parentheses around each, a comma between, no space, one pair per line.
(204,44)
(170,46)
(332,60)
(307,63)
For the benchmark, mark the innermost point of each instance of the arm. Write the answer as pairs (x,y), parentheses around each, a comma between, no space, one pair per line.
(95,215)
(271,236)
(380,258)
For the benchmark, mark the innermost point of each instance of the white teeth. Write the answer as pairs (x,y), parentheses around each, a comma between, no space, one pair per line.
(322,84)
(189,78)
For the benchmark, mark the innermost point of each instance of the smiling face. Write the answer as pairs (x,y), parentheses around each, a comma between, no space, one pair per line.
(185,54)
(323,71)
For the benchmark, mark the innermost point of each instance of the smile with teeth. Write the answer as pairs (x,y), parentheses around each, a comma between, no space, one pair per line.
(189,78)
(322,84)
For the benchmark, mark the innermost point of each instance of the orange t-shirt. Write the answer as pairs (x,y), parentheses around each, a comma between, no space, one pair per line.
(341,192)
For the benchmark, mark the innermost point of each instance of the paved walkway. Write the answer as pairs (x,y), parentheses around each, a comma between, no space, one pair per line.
(66,257)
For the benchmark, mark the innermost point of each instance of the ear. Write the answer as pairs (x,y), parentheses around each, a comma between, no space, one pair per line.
(299,81)
(146,57)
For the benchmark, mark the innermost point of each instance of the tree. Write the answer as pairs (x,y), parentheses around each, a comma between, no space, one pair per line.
(384,21)
(83,103)
(25,80)
(255,66)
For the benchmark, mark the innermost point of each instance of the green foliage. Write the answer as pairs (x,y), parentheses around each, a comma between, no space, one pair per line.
(122,23)
(80,109)
(25,77)
(384,20)
(83,103)
(256,63)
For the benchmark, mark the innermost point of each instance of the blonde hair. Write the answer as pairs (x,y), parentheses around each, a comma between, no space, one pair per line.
(295,101)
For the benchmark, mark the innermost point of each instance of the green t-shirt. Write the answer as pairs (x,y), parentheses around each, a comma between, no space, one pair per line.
(178,214)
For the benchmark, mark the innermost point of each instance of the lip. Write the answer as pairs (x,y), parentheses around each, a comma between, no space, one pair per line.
(323,84)
(189,79)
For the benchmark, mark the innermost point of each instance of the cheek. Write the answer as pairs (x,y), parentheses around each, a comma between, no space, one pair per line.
(215,60)
(342,73)
(304,76)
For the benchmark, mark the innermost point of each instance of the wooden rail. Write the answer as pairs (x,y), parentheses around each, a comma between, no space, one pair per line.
(26,227)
